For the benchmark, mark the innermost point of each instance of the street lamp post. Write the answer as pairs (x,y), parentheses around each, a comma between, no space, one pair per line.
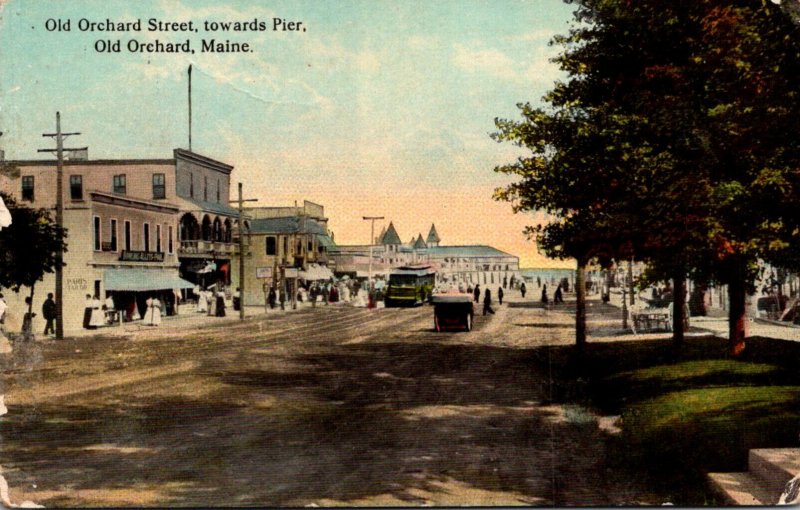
(371,242)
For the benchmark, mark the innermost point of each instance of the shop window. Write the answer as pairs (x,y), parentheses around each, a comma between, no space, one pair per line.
(159,186)
(27,188)
(76,187)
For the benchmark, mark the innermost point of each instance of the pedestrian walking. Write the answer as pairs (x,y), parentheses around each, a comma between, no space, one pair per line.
(522,289)
(545,300)
(282,298)
(49,314)
(87,312)
(326,293)
(314,293)
(271,298)
(505,284)
(558,297)
(477,293)
(500,295)
(487,302)
(237,299)
(220,310)
(98,317)
(152,315)
(27,319)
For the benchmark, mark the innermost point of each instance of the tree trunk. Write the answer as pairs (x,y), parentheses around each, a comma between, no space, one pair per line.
(678,306)
(580,305)
(737,317)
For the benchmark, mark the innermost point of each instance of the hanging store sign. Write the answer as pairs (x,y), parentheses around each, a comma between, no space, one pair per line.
(142,256)
(263,272)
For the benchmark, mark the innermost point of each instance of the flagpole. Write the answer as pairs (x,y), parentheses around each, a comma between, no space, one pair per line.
(190,107)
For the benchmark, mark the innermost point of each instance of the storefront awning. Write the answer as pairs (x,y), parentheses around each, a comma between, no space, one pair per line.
(316,272)
(140,280)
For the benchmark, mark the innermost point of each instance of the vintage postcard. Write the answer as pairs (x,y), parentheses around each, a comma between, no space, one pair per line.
(399,253)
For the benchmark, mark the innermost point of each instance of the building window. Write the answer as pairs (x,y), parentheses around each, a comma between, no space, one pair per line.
(272,248)
(27,188)
(120,184)
(191,185)
(98,244)
(285,248)
(218,191)
(159,188)
(205,188)
(146,233)
(113,243)
(158,238)
(127,235)
(76,187)
(170,247)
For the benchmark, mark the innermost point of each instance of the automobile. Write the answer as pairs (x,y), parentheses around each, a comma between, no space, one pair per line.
(452,312)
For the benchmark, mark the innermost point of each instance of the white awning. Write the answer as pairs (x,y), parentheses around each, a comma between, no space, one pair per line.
(316,272)
(143,279)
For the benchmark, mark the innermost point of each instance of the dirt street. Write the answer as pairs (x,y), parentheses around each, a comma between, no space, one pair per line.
(327,406)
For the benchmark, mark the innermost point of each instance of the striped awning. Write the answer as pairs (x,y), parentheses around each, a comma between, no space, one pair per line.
(143,279)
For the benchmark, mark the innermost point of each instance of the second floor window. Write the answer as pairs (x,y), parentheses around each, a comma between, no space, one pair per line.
(97,234)
(158,238)
(272,246)
(218,190)
(159,188)
(27,188)
(205,188)
(146,233)
(113,243)
(76,187)
(120,184)
(127,235)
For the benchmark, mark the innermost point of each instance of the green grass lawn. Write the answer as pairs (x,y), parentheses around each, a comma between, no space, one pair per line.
(685,412)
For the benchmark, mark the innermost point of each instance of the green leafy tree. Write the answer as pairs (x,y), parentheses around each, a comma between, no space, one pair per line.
(28,247)
(674,136)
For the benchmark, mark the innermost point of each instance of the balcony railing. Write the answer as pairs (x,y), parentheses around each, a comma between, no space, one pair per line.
(197,247)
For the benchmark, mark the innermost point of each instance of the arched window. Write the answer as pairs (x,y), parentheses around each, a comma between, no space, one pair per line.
(206,229)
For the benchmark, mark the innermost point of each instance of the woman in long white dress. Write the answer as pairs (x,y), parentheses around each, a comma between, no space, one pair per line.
(152,317)
(98,317)
(202,301)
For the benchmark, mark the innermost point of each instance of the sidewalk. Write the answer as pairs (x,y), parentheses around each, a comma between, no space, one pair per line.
(186,318)
(716,322)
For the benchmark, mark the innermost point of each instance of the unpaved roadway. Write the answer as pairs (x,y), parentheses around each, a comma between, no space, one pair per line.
(327,406)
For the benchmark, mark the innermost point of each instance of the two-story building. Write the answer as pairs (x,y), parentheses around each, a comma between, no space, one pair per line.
(281,238)
(124,226)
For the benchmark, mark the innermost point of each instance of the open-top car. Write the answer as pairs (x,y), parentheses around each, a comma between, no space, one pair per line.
(452,312)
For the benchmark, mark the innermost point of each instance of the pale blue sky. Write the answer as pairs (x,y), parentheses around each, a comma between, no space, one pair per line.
(372,98)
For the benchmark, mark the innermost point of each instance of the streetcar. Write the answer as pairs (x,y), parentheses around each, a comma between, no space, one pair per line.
(409,286)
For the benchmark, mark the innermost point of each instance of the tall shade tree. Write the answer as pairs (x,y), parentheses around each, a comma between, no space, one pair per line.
(674,135)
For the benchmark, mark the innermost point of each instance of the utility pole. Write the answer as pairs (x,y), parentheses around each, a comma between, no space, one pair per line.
(59,150)
(371,242)
(241,202)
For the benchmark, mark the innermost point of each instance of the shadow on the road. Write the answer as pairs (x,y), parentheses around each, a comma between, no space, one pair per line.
(345,424)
